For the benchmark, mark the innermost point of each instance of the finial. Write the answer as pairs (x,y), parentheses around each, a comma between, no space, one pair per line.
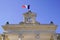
(7,22)
(51,22)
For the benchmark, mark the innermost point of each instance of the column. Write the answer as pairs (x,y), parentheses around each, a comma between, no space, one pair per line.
(37,36)
(3,36)
(55,37)
(20,37)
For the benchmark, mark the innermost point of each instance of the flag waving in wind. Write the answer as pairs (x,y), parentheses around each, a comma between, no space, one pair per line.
(26,6)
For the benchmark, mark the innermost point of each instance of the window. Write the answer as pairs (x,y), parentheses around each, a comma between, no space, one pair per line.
(29,19)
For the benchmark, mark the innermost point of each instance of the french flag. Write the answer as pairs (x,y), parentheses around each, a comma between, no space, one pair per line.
(26,6)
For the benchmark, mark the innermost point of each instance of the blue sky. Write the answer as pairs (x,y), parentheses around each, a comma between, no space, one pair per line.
(46,10)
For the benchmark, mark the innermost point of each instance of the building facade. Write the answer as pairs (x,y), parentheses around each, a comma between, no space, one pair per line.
(29,29)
